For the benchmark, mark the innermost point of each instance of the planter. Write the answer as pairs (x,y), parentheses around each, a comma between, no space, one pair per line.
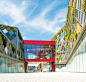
(58,40)
(1,40)
(18,53)
(60,58)
(75,35)
(57,60)
(58,52)
(11,27)
(0,24)
(74,12)
(67,51)
(83,6)
(14,29)
(68,47)
(73,19)
(61,49)
(8,29)
(5,26)
(67,43)
(56,48)
(20,37)
(65,57)
(11,55)
(68,24)
(67,38)
(64,38)
(6,40)
(20,44)
(2,27)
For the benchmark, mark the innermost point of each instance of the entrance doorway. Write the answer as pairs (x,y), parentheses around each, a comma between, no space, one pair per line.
(39,67)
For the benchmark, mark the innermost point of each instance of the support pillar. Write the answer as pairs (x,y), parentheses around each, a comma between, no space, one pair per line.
(53,66)
(25,64)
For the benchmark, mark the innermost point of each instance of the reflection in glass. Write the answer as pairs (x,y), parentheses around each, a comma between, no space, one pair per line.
(6,65)
(10,66)
(0,64)
(39,51)
(3,65)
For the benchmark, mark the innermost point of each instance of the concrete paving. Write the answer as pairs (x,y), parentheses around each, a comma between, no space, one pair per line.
(43,77)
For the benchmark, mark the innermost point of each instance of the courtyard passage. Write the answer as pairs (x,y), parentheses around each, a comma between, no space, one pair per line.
(43,77)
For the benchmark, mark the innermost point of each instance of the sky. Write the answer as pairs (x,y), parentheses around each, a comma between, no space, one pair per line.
(36,19)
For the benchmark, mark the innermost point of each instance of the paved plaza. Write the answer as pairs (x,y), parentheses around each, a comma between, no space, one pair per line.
(43,77)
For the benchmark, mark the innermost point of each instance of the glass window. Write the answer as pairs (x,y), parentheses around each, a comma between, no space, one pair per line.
(3,65)
(79,16)
(11,32)
(0,64)
(84,45)
(76,13)
(33,50)
(80,49)
(83,19)
(8,34)
(38,51)
(42,53)
(6,65)
(5,31)
(12,62)
(10,66)
(16,67)
(80,4)
(14,35)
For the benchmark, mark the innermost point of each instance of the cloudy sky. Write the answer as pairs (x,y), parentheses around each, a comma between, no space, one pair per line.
(36,19)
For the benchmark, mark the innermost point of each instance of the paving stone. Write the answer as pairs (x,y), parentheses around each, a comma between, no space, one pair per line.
(43,77)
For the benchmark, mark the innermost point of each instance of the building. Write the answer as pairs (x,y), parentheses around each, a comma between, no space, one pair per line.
(11,50)
(71,39)
(40,51)
(67,49)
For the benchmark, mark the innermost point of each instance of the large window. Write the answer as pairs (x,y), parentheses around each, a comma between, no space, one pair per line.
(10,66)
(39,51)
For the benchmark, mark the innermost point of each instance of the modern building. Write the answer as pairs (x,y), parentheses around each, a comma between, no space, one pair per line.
(65,52)
(40,51)
(11,50)
(71,39)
